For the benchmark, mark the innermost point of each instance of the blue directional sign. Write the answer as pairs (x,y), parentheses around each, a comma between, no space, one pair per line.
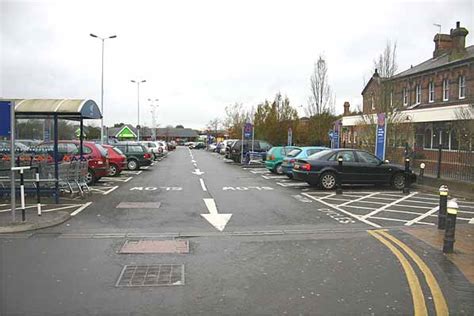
(5,123)
(248,130)
(381,136)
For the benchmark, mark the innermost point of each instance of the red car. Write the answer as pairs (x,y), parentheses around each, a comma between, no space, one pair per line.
(95,154)
(117,160)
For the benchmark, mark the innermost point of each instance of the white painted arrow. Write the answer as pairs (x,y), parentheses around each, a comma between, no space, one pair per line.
(198,172)
(219,221)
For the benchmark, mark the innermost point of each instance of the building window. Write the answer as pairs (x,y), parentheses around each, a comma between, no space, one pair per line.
(427,138)
(431,92)
(417,94)
(391,99)
(405,97)
(454,140)
(462,87)
(445,90)
(372,104)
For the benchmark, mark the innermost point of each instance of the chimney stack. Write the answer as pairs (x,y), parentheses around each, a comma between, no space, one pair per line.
(453,43)
(346,109)
(458,37)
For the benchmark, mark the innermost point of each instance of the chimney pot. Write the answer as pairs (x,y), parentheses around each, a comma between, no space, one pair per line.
(346,108)
(458,24)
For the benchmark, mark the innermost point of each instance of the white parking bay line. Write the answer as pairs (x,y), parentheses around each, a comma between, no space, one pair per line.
(61,208)
(388,205)
(110,190)
(363,220)
(203,186)
(293,184)
(274,177)
(359,199)
(83,207)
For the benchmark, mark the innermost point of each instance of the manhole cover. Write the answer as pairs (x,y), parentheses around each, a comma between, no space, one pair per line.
(139,205)
(151,275)
(155,246)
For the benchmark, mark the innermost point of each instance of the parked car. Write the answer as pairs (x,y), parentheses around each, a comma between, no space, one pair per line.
(227,146)
(172,145)
(152,148)
(197,145)
(117,160)
(275,156)
(137,154)
(258,146)
(95,154)
(358,167)
(163,147)
(295,154)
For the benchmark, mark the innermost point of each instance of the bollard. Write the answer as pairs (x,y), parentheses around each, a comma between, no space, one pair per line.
(339,176)
(443,200)
(450,231)
(22,195)
(422,172)
(38,192)
(406,187)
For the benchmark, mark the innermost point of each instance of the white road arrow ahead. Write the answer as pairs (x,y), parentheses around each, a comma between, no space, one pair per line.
(214,218)
(198,172)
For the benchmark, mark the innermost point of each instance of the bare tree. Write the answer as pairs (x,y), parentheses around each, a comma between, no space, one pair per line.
(320,99)
(386,63)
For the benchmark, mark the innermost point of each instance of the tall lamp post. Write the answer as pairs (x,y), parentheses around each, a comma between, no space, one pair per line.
(138,105)
(102,86)
(154,106)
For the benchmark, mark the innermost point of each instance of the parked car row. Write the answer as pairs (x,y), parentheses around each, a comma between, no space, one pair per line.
(102,160)
(319,166)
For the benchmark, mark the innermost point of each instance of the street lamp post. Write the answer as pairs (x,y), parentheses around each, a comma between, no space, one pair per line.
(102,86)
(138,105)
(153,106)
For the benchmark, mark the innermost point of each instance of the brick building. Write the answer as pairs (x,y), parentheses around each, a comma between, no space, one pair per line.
(432,100)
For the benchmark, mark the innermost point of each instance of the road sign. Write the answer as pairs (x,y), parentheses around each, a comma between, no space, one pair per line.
(381,135)
(5,119)
(248,127)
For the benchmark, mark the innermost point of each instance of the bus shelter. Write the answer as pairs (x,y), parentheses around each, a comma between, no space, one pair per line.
(55,109)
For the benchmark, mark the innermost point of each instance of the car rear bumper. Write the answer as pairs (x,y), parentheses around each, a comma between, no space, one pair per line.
(101,172)
(309,177)
(270,164)
(287,169)
(145,162)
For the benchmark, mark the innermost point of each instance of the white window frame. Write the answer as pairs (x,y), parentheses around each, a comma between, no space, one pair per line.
(417,94)
(431,92)
(372,103)
(445,90)
(405,96)
(462,87)
(391,99)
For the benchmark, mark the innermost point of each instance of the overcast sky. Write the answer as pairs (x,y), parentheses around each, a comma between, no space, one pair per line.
(199,56)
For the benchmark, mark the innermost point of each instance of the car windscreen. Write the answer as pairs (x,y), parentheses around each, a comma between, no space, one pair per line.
(294,153)
(102,150)
(319,155)
(117,150)
(313,151)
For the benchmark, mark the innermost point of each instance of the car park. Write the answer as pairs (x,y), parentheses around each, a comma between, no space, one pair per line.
(95,154)
(274,159)
(259,146)
(117,160)
(153,148)
(295,154)
(358,167)
(137,154)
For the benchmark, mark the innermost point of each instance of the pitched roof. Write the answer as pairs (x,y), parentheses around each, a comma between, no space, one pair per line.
(434,63)
(176,132)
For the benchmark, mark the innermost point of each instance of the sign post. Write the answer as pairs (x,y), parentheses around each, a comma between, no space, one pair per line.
(290,136)
(247,132)
(381,136)
(7,128)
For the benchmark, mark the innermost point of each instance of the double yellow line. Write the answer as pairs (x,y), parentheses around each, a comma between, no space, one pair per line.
(413,282)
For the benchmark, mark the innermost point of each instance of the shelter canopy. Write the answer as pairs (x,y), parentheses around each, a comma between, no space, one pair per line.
(73,109)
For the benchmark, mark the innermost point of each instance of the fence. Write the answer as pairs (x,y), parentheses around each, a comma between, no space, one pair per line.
(446,164)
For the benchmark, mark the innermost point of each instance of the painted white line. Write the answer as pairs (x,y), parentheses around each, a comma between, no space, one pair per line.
(403,212)
(382,198)
(293,184)
(336,199)
(413,206)
(81,208)
(359,199)
(138,172)
(342,211)
(302,198)
(18,209)
(108,191)
(274,177)
(457,217)
(60,208)
(389,219)
(128,179)
(471,221)
(422,202)
(467,212)
(425,223)
(146,167)
(369,202)
(361,207)
(203,186)
(388,205)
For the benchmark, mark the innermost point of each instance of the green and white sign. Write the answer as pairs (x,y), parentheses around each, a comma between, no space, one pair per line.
(126,132)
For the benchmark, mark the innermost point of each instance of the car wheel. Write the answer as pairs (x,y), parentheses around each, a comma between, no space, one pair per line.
(132,165)
(328,181)
(398,181)
(113,170)
(90,177)
(279,169)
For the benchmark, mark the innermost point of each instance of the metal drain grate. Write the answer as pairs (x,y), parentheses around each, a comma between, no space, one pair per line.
(139,205)
(155,246)
(151,275)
